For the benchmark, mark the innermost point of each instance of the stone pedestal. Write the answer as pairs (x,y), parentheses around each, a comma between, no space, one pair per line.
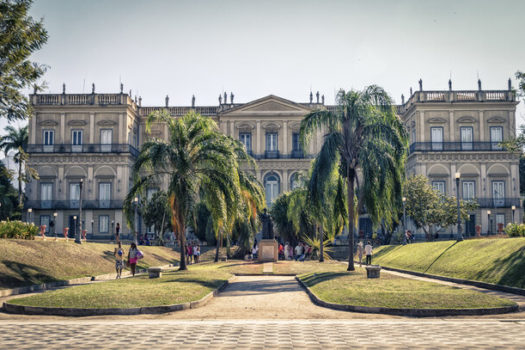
(155,272)
(373,271)
(268,250)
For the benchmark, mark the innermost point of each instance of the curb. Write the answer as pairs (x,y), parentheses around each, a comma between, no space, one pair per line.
(407,312)
(484,285)
(60,311)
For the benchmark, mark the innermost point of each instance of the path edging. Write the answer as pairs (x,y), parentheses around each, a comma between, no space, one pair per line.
(62,311)
(406,312)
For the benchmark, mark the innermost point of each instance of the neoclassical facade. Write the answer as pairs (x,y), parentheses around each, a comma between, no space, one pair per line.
(88,143)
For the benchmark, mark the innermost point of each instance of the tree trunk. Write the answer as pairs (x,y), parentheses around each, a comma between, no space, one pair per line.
(182,240)
(350,191)
(20,202)
(321,245)
(161,231)
(218,247)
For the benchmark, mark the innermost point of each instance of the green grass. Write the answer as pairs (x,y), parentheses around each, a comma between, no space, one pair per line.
(389,291)
(499,261)
(172,288)
(24,262)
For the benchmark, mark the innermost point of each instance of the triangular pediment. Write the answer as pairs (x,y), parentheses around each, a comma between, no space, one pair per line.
(269,105)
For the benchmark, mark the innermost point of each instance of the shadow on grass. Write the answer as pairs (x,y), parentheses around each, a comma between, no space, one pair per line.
(316,278)
(23,275)
(439,256)
(212,284)
(513,267)
(386,250)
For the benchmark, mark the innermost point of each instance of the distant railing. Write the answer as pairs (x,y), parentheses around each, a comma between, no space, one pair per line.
(271,154)
(498,202)
(81,99)
(85,148)
(454,146)
(179,111)
(73,204)
(297,153)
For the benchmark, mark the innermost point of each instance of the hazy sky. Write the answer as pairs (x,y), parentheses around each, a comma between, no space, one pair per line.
(286,48)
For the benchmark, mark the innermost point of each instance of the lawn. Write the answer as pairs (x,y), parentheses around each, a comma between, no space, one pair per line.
(174,287)
(389,291)
(499,261)
(24,262)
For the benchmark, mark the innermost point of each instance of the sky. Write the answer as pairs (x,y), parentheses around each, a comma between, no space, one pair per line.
(286,48)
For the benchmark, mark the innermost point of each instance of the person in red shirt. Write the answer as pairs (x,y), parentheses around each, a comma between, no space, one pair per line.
(281,251)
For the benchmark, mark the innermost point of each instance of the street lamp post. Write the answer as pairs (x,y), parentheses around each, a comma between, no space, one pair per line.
(513,210)
(78,236)
(92,227)
(460,234)
(29,211)
(136,200)
(404,219)
(75,224)
(489,221)
(55,214)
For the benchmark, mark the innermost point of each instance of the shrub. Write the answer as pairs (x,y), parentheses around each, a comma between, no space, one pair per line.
(17,230)
(515,230)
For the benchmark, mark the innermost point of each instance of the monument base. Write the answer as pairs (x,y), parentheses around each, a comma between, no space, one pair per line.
(268,250)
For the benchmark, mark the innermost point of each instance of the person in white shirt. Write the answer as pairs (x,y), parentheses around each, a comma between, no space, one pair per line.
(368,253)
(360,252)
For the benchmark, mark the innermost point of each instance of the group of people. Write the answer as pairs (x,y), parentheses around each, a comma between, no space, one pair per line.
(193,252)
(134,254)
(366,250)
(301,252)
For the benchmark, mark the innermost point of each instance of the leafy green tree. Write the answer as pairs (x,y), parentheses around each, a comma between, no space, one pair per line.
(200,164)
(363,135)
(284,226)
(200,221)
(8,196)
(20,36)
(429,208)
(156,213)
(16,140)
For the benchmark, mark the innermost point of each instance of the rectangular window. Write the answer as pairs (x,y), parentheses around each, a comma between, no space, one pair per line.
(500,222)
(104,194)
(271,141)
(49,140)
(103,224)
(413,132)
(498,193)
(45,220)
(466,137)
(468,190)
(296,143)
(246,140)
(439,185)
(436,135)
(76,140)
(74,194)
(46,195)
(496,136)
(106,138)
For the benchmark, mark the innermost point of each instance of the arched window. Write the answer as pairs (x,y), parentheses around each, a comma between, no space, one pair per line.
(271,185)
(295,181)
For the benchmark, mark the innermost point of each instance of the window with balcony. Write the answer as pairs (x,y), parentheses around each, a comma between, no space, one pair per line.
(439,185)
(498,193)
(49,140)
(246,140)
(103,224)
(46,195)
(297,151)
(436,135)
(468,190)
(106,138)
(271,186)
(76,140)
(104,193)
(272,150)
(496,137)
(466,133)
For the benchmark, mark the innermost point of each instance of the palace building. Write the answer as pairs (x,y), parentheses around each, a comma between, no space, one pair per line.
(87,143)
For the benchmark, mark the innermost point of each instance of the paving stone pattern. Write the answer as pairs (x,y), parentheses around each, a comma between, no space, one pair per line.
(267,334)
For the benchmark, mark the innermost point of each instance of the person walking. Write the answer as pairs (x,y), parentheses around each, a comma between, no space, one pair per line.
(196,253)
(117,233)
(368,252)
(360,252)
(189,254)
(119,260)
(133,257)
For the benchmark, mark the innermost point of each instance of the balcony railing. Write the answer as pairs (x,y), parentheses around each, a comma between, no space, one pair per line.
(86,148)
(271,154)
(73,204)
(297,153)
(455,147)
(498,202)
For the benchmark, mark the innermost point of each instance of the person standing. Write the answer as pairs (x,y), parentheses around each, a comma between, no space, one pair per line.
(117,232)
(119,260)
(286,251)
(360,252)
(133,257)
(368,252)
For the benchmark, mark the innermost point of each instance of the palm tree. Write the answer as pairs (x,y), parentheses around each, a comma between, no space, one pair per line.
(363,136)
(199,163)
(16,140)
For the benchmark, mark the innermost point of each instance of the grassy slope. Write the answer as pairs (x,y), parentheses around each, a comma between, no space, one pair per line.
(391,291)
(500,261)
(32,262)
(172,288)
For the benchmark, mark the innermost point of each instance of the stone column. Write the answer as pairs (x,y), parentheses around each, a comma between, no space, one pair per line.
(258,137)
(453,135)
(122,127)
(285,181)
(32,129)
(232,129)
(285,137)
(483,179)
(91,128)
(91,185)
(62,127)
(481,126)
(421,126)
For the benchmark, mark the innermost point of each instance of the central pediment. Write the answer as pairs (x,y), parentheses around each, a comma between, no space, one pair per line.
(269,105)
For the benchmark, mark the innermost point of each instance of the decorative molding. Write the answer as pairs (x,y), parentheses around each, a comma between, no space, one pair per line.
(48,122)
(436,120)
(496,120)
(467,119)
(77,122)
(106,123)
(245,125)
(271,126)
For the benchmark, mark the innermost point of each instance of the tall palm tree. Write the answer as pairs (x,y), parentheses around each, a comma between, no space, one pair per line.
(199,163)
(16,140)
(363,136)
